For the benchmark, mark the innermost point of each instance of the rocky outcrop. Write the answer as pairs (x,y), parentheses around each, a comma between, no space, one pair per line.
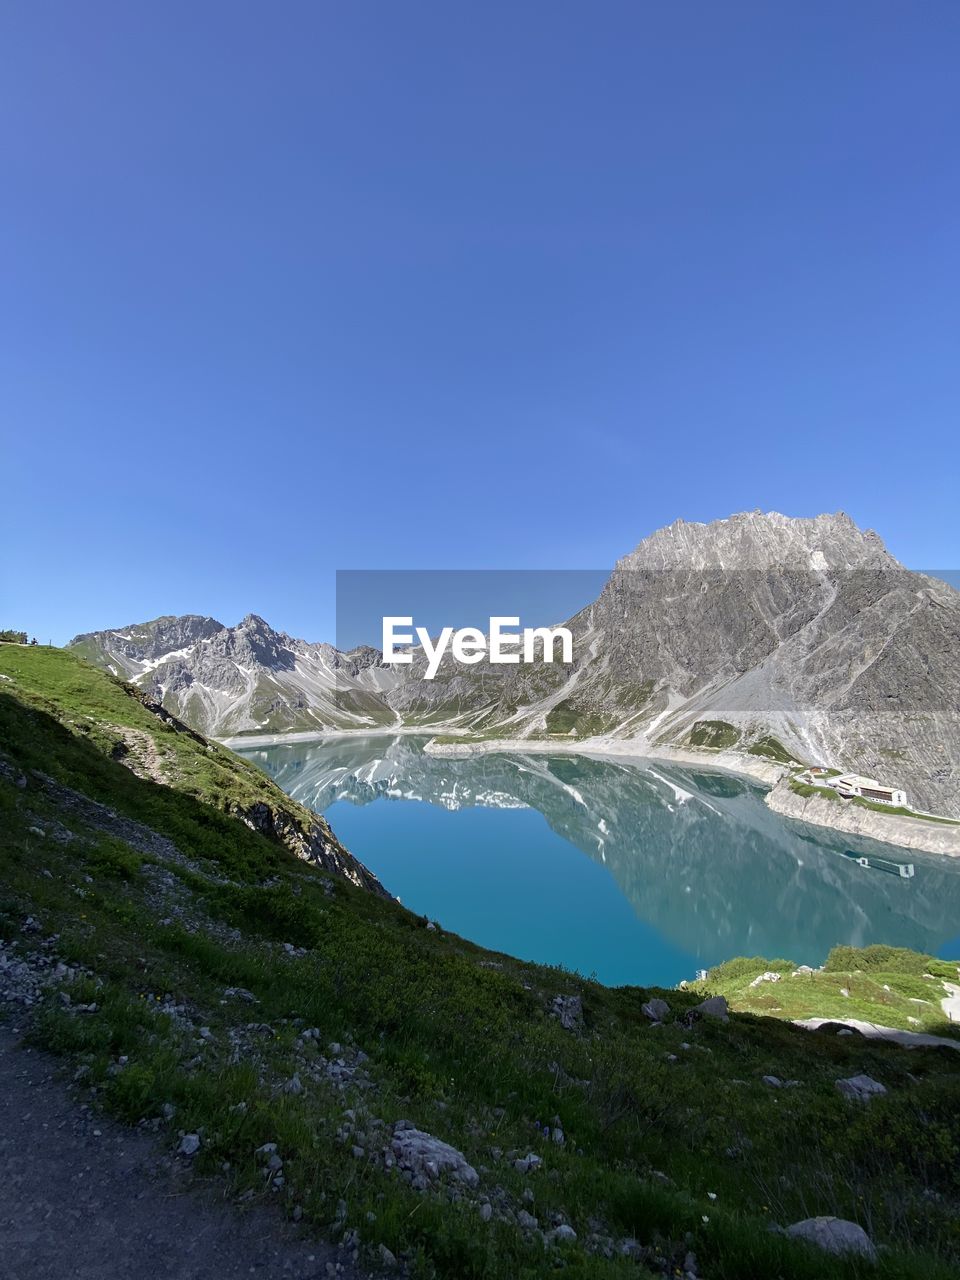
(314,843)
(892,828)
(426,1158)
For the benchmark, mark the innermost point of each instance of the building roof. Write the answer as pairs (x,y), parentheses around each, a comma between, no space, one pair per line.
(858,780)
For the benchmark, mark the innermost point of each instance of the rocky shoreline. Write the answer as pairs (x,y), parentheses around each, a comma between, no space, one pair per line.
(767,772)
(894,828)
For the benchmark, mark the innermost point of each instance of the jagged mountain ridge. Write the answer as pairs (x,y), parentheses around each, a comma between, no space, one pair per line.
(754,627)
(249,678)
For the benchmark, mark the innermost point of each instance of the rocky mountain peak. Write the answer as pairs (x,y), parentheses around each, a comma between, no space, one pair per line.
(762,540)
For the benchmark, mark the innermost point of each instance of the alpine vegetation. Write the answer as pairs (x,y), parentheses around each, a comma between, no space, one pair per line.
(212,966)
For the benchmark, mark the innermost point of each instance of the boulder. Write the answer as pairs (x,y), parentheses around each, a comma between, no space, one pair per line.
(834,1235)
(713,1007)
(564,1234)
(656,1010)
(861,1088)
(427,1156)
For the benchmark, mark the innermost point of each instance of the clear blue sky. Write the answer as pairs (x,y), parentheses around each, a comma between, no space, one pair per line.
(291,288)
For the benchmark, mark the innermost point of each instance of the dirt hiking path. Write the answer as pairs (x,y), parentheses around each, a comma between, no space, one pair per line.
(84,1198)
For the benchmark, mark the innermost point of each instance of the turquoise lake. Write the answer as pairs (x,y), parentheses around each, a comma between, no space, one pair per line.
(633,871)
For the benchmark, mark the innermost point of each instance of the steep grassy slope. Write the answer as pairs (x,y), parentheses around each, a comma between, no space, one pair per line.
(204,785)
(206,982)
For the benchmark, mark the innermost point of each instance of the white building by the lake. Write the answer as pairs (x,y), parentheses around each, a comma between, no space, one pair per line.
(854,784)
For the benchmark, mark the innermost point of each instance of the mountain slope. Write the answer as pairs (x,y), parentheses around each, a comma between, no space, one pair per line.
(311,1044)
(795,638)
(803,638)
(243,679)
(136,763)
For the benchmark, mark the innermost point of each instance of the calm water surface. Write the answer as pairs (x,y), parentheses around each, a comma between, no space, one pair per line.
(635,871)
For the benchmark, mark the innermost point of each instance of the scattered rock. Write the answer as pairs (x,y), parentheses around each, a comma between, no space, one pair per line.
(421,1153)
(713,1007)
(387,1257)
(564,1234)
(860,1089)
(527,1221)
(769,976)
(773,1081)
(656,1009)
(189,1145)
(241,993)
(569,1011)
(835,1235)
(528,1163)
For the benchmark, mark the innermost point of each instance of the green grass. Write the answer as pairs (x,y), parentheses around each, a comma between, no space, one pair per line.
(715,734)
(772,748)
(460,1041)
(884,985)
(568,718)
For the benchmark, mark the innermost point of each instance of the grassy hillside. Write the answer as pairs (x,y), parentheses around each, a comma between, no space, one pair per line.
(207,982)
(889,986)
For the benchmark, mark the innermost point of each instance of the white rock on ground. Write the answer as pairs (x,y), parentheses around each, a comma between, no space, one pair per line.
(189,1144)
(834,1235)
(861,1088)
(769,976)
(424,1154)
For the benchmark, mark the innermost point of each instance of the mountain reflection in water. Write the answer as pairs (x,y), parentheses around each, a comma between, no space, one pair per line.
(684,867)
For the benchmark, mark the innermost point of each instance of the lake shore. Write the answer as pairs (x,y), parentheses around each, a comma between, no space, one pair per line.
(897,830)
(894,829)
(766,772)
(906,833)
(319,735)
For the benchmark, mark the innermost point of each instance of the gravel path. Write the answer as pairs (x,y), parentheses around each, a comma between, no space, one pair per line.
(83,1198)
(951,1004)
(909,1039)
